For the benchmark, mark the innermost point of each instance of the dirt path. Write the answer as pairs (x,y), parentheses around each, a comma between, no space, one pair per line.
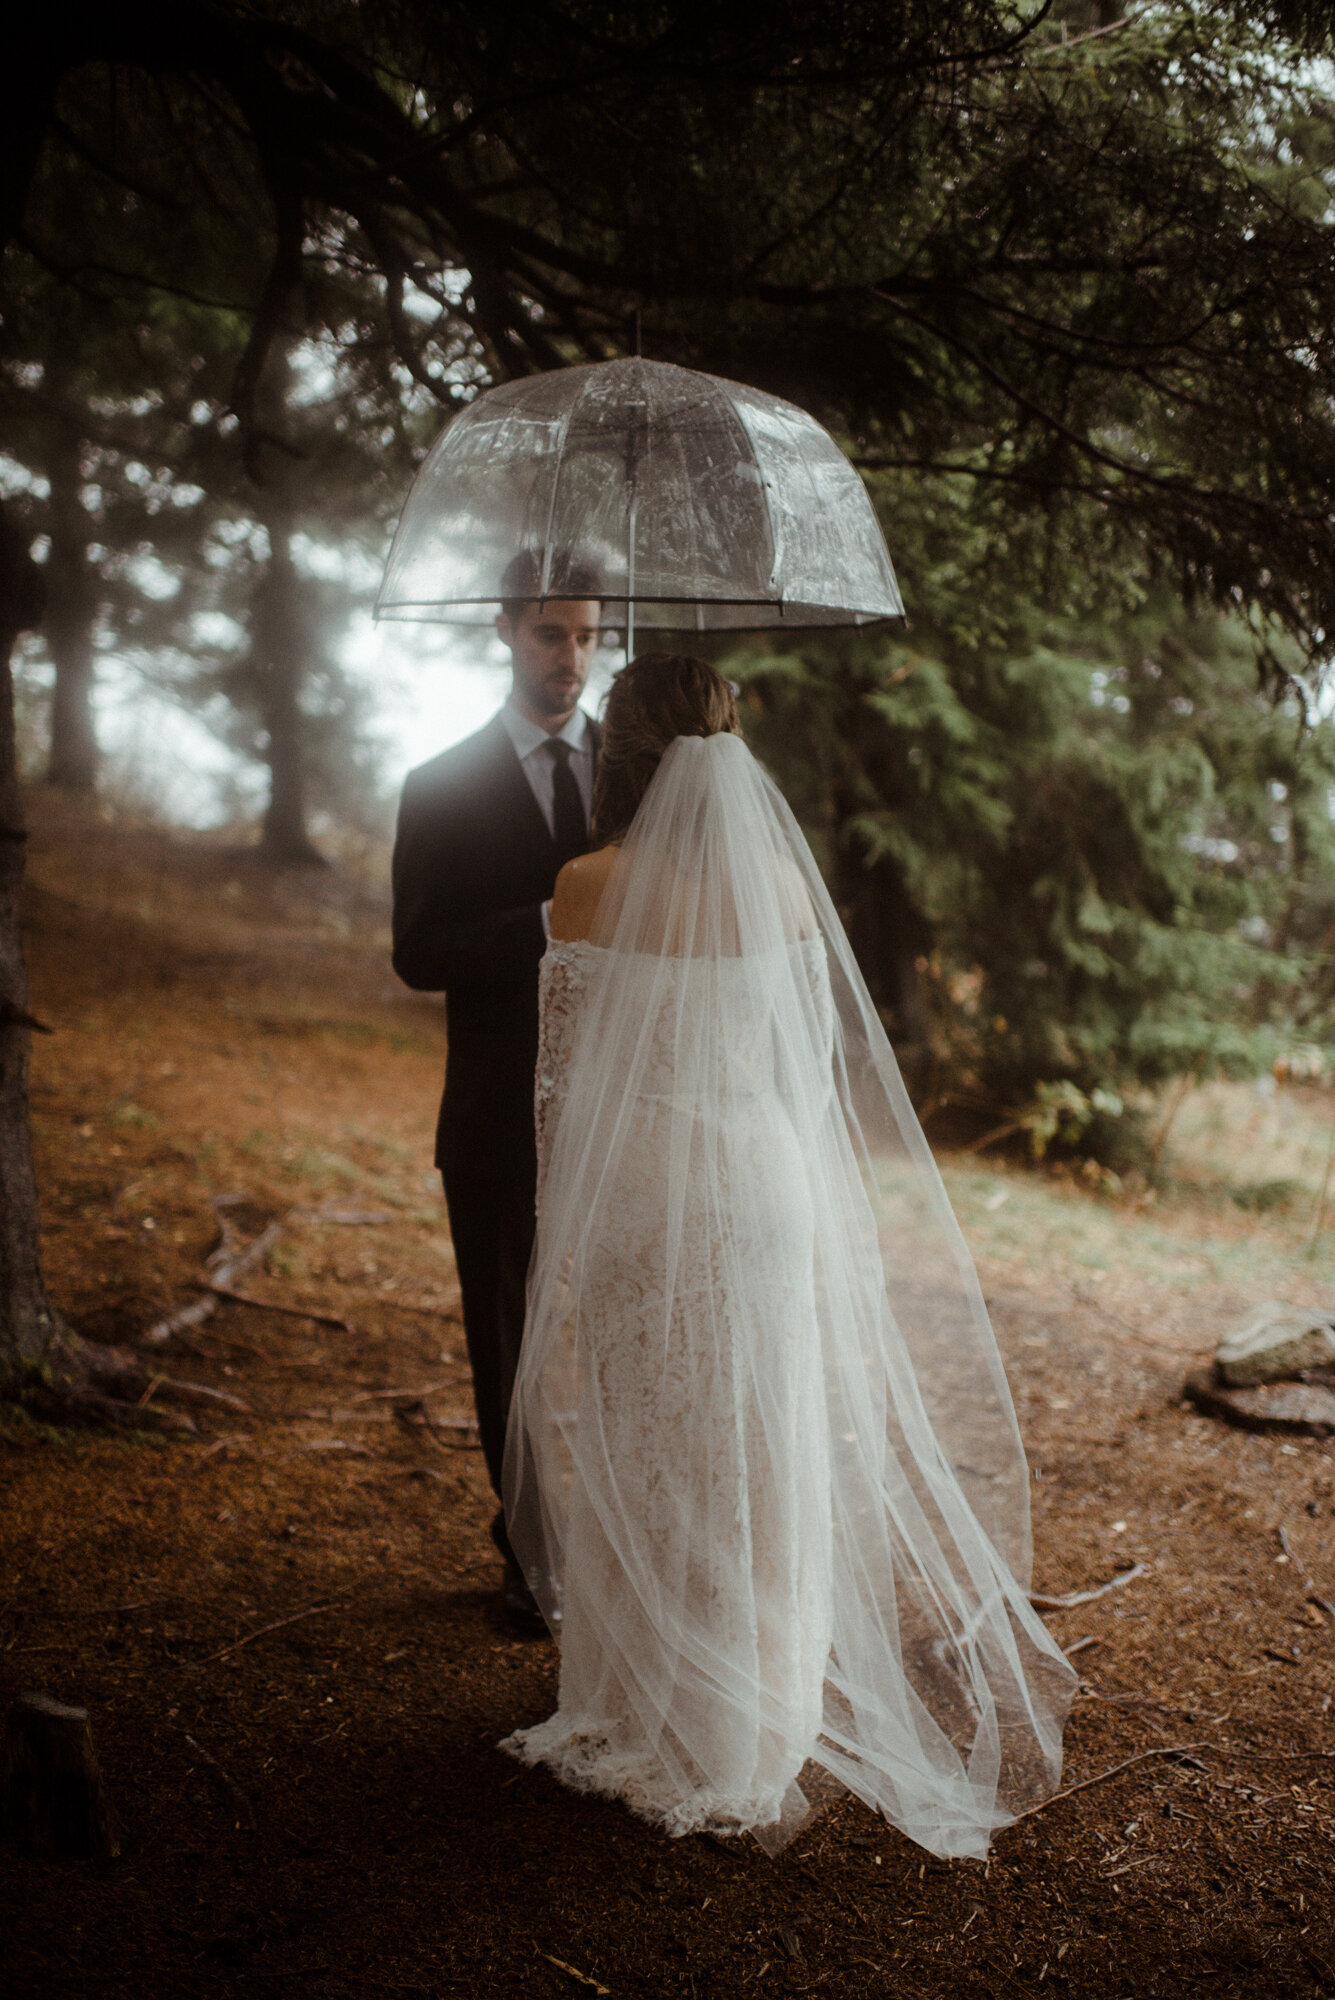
(318,1808)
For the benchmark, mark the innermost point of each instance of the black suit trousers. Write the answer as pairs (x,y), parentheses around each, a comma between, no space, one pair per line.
(492,1226)
(474,861)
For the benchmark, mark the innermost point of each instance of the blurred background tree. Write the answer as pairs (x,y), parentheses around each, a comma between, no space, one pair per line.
(164,521)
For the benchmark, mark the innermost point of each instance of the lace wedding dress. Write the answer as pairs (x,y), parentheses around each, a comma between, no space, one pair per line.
(762,1468)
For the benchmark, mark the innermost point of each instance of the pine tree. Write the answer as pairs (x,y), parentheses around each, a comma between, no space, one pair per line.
(1078,850)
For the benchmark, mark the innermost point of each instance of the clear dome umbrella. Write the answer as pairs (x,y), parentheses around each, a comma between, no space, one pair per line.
(697,503)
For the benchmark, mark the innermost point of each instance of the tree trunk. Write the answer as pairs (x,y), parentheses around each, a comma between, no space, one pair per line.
(28,1329)
(278,636)
(71,612)
(278,641)
(41,1360)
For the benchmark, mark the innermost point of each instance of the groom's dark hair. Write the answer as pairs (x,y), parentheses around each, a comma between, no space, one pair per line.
(569,576)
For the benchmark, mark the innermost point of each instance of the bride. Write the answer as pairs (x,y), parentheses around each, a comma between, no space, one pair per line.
(762,1470)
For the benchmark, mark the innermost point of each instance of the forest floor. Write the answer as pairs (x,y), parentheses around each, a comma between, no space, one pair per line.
(285,1625)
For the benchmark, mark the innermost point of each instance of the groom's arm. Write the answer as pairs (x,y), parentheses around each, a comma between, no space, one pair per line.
(444,936)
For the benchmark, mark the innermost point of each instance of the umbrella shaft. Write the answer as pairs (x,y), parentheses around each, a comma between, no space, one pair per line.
(630,577)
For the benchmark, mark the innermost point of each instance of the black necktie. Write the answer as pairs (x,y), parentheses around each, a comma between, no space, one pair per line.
(569,827)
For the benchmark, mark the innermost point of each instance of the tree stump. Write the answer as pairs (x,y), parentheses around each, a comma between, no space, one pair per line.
(52,1796)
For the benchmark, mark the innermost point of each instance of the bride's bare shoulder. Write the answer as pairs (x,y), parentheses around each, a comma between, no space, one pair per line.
(579,889)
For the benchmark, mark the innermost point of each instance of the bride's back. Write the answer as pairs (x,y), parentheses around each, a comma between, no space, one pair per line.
(677,915)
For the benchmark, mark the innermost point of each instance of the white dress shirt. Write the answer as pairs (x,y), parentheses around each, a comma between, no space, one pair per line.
(539,767)
(530,741)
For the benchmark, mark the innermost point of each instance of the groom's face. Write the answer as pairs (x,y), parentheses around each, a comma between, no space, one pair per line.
(551,651)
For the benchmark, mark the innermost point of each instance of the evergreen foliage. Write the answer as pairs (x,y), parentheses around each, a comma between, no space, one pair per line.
(1075,848)
(1081,254)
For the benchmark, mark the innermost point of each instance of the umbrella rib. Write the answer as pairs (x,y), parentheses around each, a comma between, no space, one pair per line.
(738,416)
(566,419)
(729,419)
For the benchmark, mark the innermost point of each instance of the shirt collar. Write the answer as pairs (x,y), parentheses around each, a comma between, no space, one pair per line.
(529,736)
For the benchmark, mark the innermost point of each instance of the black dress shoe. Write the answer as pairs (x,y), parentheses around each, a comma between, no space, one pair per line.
(520,1605)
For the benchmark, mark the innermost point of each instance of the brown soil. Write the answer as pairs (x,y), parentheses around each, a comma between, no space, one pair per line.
(217,1034)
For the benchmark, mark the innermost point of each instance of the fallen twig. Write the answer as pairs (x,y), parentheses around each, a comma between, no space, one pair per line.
(1133,1332)
(227,1237)
(1088,1693)
(193,1392)
(226,1264)
(1160,1750)
(1181,1750)
(231,1341)
(570,1971)
(404,1413)
(185,1316)
(222,1268)
(1274,1756)
(1073,1597)
(134,1416)
(224,1780)
(109,1369)
(449,1310)
(349,1217)
(393,1395)
(1288,1549)
(1309,1588)
(272,1305)
(311,1609)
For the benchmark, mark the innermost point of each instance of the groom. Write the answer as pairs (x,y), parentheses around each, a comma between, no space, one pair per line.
(483,830)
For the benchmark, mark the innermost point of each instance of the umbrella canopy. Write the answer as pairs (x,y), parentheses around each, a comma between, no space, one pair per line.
(697,503)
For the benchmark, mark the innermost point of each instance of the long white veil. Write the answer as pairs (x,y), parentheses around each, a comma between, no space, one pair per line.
(763,1468)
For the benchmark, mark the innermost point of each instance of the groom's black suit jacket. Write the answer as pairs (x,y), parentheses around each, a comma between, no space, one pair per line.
(473,864)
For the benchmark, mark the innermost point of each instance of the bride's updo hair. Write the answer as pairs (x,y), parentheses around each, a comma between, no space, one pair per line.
(655,699)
